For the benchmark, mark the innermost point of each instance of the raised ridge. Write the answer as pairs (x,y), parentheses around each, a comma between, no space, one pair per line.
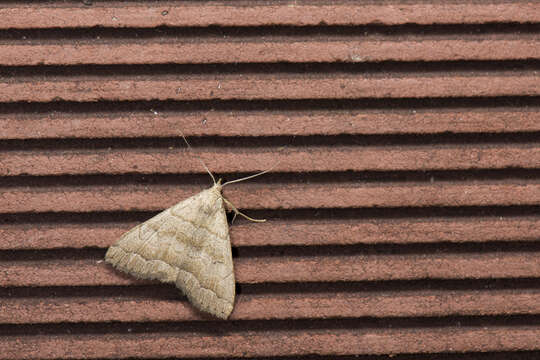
(236,13)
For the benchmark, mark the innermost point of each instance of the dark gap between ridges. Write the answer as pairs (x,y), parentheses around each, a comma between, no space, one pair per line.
(419,249)
(264,31)
(523,103)
(108,219)
(305,178)
(383,68)
(159,291)
(278,142)
(219,328)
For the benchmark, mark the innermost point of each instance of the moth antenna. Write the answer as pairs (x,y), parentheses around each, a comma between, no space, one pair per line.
(238,212)
(252,176)
(247,177)
(198,158)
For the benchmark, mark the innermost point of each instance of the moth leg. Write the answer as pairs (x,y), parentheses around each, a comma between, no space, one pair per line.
(238,212)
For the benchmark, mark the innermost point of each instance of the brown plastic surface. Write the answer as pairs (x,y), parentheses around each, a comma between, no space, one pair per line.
(402,206)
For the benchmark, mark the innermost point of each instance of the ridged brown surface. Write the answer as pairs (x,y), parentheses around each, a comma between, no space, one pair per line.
(402,206)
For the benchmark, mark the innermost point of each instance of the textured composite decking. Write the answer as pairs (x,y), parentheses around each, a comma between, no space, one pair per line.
(403,210)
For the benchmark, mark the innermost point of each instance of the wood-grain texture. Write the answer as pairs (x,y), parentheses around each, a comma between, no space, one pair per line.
(402,205)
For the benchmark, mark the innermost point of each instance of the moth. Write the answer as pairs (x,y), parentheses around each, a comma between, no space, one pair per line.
(187,245)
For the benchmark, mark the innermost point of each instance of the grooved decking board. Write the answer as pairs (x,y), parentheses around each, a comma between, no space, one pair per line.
(154,123)
(312,158)
(276,306)
(249,50)
(273,343)
(273,196)
(402,212)
(251,86)
(285,269)
(292,232)
(237,13)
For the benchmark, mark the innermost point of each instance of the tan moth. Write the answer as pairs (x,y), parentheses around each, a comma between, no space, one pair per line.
(187,245)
